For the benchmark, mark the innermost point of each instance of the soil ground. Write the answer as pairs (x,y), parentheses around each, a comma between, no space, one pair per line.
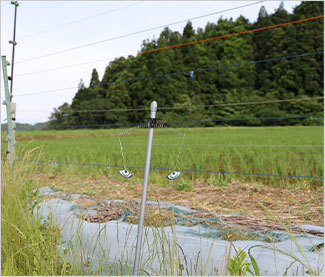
(256,204)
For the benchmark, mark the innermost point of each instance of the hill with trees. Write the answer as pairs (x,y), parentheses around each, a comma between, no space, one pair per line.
(25,126)
(299,77)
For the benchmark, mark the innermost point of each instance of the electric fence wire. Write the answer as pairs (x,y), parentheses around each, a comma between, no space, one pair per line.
(184,122)
(80,20)
(174,144)
(171,169)
(182,72)
(192,107)
(137,32)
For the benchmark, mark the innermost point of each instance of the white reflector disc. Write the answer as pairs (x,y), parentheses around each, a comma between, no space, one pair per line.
(174,175)
(126,173)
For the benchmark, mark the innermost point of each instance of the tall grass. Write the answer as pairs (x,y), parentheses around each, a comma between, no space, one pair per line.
(28,247)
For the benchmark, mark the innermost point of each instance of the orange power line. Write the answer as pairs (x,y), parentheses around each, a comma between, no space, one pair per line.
(230,35)
(182,44)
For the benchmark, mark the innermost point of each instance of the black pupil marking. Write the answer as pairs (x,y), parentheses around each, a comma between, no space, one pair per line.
(125,171)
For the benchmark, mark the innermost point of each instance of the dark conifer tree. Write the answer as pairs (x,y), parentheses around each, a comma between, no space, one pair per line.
(94,78)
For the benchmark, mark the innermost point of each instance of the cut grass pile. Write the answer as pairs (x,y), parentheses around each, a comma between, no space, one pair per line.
(295,205)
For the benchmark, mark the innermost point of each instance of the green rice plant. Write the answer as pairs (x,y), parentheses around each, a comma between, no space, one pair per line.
(271,150)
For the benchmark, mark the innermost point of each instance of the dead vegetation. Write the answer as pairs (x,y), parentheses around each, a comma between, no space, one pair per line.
(240,204)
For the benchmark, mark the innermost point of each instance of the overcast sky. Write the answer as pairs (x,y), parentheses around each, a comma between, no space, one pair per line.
(108,19)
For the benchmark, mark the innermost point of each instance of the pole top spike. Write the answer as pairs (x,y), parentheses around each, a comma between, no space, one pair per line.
(153,106)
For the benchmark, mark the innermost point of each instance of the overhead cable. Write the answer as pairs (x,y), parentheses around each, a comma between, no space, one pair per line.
(47,91)
(61,67)
(186,72)
(137,32)
(79,20)
(171,46)
(234,34)
(245,119)
(194,106)
(184,121)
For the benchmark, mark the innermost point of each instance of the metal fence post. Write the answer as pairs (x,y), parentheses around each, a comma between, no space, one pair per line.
(10,139)
(151,125)
(14,43)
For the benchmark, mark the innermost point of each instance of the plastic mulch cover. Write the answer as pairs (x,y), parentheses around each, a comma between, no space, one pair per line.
(104,235)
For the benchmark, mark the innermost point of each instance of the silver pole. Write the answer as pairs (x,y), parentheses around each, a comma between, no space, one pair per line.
(13,46)
(153,110)
(10,114)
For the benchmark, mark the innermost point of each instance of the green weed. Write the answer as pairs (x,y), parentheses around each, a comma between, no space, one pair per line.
(186,185)
(239,266)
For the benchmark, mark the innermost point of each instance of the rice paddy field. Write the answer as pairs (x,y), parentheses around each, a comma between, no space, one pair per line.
(296,150)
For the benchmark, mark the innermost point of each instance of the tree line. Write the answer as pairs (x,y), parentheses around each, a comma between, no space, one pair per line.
(300,77)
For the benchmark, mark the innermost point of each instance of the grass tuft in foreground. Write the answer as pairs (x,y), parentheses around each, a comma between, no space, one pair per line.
(28,246)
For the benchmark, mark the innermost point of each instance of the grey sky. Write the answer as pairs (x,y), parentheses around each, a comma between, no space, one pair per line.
(129,16)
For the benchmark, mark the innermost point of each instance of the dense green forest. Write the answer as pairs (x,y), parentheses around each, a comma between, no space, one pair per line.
(298,77)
